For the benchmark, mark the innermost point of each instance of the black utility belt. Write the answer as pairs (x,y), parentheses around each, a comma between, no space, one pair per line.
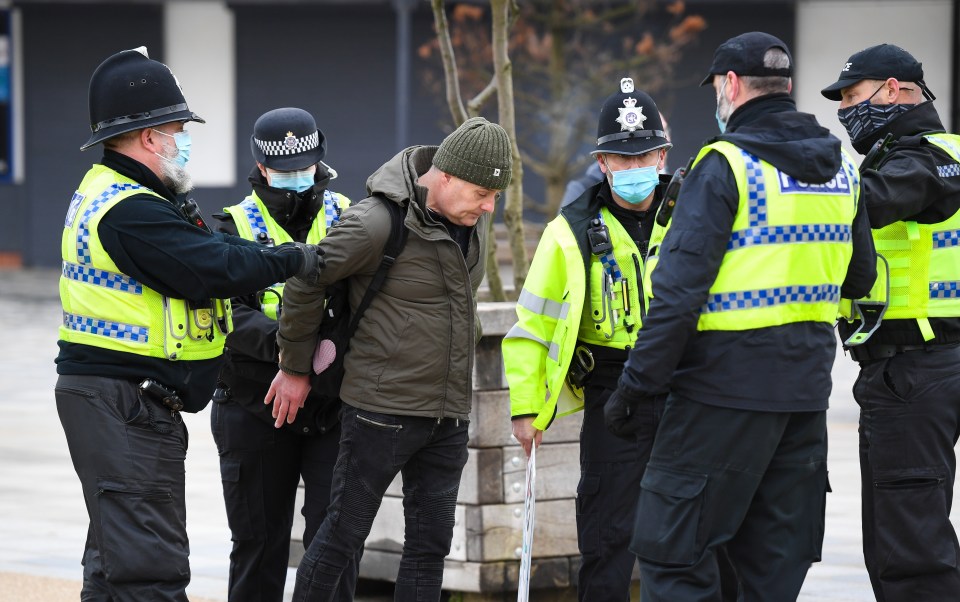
(869,353)
(161,394)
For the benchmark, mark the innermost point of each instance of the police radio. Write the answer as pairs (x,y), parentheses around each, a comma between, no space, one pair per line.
(671,193)
(192,212)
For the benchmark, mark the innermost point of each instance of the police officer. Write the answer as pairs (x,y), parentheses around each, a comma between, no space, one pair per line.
(765,237)
(578,315)
(262,465)
(144,323)
(909,384)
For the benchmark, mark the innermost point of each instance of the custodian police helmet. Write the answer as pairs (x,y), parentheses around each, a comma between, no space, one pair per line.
(287,139)
(630,123)
(130,91)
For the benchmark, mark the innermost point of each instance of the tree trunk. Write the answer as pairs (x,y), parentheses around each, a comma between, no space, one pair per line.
(513,207)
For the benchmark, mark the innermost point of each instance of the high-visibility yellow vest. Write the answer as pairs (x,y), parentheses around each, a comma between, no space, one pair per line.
(255,223)
(555,313)
(924,259)
(106,308)
(789,249)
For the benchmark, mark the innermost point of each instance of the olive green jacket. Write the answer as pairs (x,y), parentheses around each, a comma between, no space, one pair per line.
(413,350)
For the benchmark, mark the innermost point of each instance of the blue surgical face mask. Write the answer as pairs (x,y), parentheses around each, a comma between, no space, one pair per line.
(721,121)
(634,185)
(298,181)
(183,142)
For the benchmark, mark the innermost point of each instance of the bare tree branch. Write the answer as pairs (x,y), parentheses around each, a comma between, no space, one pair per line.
(449,63)
(476,103)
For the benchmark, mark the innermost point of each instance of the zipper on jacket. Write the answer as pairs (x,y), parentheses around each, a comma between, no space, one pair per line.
(640,292)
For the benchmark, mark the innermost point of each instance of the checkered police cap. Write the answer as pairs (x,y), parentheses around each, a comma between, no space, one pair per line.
(287,139)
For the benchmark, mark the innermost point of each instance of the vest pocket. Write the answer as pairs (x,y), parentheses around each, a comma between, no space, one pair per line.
(667,527)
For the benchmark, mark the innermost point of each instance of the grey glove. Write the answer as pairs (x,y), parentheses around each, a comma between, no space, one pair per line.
(312,262)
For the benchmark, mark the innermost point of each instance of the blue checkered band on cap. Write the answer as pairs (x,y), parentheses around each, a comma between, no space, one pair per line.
(113,330)
(947,238)
(254,217)
(83,228)
(291,145)
(781,295)
(945,290)
(774,235)
(330,207)
(97,277)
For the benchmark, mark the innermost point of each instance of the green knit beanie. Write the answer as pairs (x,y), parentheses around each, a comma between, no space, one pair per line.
(479,152)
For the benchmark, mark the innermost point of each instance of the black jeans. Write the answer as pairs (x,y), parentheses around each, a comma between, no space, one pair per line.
(750,483)
(374,447)
(610,471)
(260,467)
(909,424)
(129,453)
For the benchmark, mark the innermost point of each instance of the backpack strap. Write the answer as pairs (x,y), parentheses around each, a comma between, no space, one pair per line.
(392,250)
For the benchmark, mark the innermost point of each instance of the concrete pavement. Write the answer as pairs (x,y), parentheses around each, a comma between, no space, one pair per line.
(44,522)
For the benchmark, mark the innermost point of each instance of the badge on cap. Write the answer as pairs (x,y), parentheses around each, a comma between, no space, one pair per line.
(290,141)
(626,85)
(631,117)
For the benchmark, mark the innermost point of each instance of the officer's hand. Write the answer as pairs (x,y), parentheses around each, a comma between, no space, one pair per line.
(620,413)
(312,262)
(526,433)
(287,393)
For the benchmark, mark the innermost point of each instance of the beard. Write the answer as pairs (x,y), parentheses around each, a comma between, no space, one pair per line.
(724,109)
(176,178)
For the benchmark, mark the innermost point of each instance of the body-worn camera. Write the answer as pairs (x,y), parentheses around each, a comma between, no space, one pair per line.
(168,397)
(598,235)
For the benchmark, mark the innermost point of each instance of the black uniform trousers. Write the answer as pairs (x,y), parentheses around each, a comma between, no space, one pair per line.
(610,471)
(909,425)
(261,467)
(129,453)
(751,482)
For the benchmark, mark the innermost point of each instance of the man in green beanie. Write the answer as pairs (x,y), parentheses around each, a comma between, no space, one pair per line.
(408,374)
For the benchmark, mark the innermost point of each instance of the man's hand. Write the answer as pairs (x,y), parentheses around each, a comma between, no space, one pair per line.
(620,415)
(526,433)
(287,393)
(312,262)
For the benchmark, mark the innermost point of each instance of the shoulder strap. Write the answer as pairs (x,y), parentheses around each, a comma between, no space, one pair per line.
(392,250)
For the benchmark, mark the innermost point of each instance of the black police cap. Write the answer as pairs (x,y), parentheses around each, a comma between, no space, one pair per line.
(130,91)
(879,62)
(629,123)
(744,54)
(287,139)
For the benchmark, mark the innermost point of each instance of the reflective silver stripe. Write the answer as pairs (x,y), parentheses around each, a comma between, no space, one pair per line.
(543,306)
(553,350)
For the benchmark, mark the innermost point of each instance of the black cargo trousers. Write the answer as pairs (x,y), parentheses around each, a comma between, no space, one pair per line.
(610,471)
(909,424)
(129,452)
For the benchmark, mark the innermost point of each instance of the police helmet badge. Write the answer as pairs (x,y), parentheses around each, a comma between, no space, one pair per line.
(631,117)
(290,141)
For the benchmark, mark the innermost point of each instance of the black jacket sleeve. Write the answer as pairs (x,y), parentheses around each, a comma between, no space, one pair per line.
(862,271)
(254,334)
(690,259)
(149,240)
(906,186)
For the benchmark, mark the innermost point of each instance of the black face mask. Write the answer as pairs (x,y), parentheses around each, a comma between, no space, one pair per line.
(863,119)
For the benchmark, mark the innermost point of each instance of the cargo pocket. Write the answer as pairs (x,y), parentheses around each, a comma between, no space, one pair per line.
(913,504)
(821,517)
(668,517)
(588,523)
(238,511)
(143,537)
